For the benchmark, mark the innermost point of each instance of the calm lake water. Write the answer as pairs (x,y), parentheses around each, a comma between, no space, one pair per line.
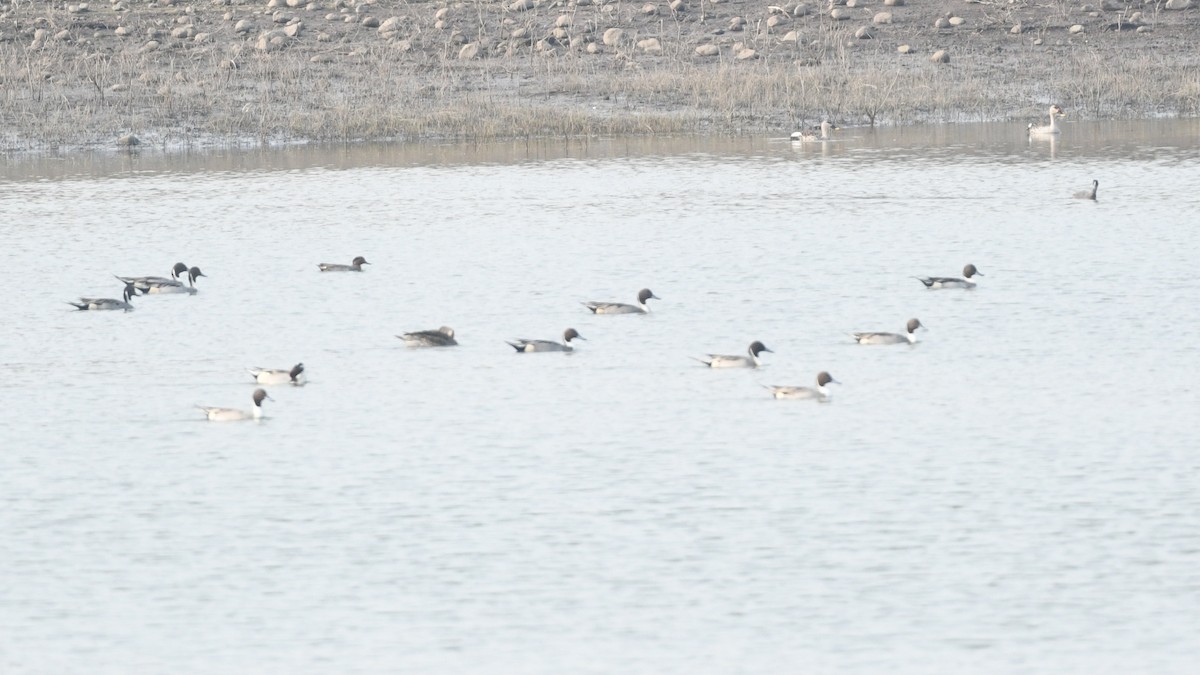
(1016,493)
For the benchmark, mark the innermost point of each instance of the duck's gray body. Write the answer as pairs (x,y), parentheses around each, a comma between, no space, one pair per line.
(162,285)
(908,337)
(106,304)
(820,392)
(966,281)
(623,308)
(442,337)
(293,375)
(354,266)
(732,361)
(523,345)
(234,414)
(1089,194)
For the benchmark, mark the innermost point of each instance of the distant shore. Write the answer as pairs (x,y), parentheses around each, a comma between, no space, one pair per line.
(232,72)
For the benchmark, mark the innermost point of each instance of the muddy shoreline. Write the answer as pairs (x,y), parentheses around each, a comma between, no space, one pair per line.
(237,72)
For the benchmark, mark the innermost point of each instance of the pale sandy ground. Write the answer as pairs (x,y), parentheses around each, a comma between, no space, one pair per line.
(214,72)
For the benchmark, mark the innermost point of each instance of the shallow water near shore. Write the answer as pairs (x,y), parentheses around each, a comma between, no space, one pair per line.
(1014,493)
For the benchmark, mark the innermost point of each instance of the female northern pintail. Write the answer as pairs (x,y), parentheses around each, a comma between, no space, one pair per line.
(1088,194)
(1050,129)
(279,375)
(908,337)
(176,286)
(820,392)
(952,282)
(442,337)
(354,266)
(233,414)
(726,361)
(569,334)
(106,303)
(623,308)
(142,283)
(810,136)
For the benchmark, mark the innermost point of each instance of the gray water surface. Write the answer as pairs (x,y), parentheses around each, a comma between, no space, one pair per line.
(1016,493)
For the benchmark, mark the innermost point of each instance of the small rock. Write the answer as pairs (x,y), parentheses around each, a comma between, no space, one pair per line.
(370,22)
(792,36)
(852,3)
(1016,30)
(677,6)
(183,32)
(649,9)
(280,17)
(202,37)
(1145,29)
(612,36)
(940,56)
(893,3)
(562,21)
(128,141)
(882,18)
(737,23)
(1111,5)
(745,54)
(864,33)
(1037,42)
(904,49)
(119,87)
(293,30)
(773,21)
(1075,29)
(441,14)
(708,50)
(243,26)
(800,10)
(957,21)
(839,14)
(650,46)
(520,5)
(392,24)
(469,51)
(941,22)
(149,46)
(1176,5)
(593,48)
(63,34)
(122,31)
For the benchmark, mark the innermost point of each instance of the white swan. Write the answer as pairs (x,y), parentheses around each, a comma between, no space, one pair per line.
(1050,129)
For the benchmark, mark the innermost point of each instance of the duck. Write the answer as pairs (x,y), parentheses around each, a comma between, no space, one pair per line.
(909,337)
(820,392)
(1050,129)
(442,337)
(141,283)
(96,304)
(354,266)
(726,361)
(176,286)
(623,308)
(810,136)
(522,345)
(294,375)
(1086,194)
(234,414)
(952,282)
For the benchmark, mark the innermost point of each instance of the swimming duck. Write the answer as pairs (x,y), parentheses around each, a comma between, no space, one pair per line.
(279,375)
(952,282)
(1086,194)
(623,308)
(810,136)
(726,361)
(233,414)
(908,337)
(176,286)
(95,304)
(1050,129)
(820,392)
(442,337)
(142,283)
(548,345)
(354,266)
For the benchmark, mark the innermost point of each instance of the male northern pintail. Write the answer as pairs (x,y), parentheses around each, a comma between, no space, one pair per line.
(522,345)
(726,361)
(142,283)
(952,282)
(1088,194)
(354,266)
(623,308)
(233,414)
(820,392)
(294,375)
(172,286)
(106,303)
(1049,129)
(442,337)
(810,136)
(908,337)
